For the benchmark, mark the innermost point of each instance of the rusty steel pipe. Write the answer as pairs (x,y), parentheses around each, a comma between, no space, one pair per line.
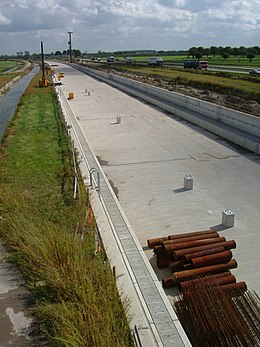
(162,261)
(223,280)
(168,282)
(159,250)
(203,253)
(187,266)
(179,255)
(233,289)
(211,281)
(193,233)
(184,275)
(156,242)
(204,279)
(191,238)
(176,265)
(183,245)
(212,259)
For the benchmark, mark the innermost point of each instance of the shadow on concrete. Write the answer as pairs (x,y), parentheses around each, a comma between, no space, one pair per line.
(160,273)
(180,190)
(219,227)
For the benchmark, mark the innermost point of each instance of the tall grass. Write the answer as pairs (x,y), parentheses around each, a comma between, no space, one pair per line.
(77,301)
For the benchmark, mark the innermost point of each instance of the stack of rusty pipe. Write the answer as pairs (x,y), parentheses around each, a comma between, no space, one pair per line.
(199,253)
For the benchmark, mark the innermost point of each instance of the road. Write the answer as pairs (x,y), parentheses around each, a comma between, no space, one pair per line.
(214,68)
(146,157)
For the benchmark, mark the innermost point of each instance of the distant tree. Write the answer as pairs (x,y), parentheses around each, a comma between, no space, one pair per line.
(192,51)
(64,52)
(243,51)
(220,50)
(198,55)
(250,56)
(58,53)
(214,50)
(228,50)
(225,55)
(252,50)
(200,49)
(206,51)
(256,50)
(235,51)
(77,53)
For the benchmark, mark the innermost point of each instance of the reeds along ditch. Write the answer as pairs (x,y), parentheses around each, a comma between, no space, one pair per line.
(78,303)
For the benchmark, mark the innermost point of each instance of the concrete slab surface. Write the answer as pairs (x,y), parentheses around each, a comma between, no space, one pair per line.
(145,158)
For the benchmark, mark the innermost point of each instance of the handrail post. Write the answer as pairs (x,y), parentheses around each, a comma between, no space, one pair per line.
(91,172)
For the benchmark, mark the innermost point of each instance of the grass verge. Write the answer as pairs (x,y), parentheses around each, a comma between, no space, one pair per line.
(49,233)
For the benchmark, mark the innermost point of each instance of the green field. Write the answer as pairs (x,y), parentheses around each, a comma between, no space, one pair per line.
(51,235)
(6,72)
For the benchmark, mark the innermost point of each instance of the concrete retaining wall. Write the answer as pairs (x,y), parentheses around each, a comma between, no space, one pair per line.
(238,127)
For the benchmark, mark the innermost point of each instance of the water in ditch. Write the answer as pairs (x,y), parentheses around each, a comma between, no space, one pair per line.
(9,101)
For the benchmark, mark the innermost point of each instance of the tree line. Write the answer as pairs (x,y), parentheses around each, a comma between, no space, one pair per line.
(75,53)
(225,52)
(194,52)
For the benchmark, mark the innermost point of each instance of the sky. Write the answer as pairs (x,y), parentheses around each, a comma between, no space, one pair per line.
(112,25)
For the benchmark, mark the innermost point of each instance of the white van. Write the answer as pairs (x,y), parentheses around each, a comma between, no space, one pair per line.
(155,61)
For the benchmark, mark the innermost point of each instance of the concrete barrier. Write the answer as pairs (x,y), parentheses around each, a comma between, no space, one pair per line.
(238,127)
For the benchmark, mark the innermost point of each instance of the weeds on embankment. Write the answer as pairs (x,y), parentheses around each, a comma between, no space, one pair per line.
(49,234)
(221,82)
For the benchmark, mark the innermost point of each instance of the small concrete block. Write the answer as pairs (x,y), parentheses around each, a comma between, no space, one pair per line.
(228,218)
(188,182)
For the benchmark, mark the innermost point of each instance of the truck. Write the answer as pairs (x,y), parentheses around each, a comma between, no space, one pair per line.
(195,64)
(111,59)
(128,60)
(155,61)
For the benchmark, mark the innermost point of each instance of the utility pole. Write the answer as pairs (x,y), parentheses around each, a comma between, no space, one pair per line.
(43,67)
(70,32)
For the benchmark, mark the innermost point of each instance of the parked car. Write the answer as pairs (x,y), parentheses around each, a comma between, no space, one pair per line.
(254,72)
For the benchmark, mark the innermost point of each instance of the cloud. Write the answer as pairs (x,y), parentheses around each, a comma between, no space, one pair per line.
(129,24)
(4,20)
